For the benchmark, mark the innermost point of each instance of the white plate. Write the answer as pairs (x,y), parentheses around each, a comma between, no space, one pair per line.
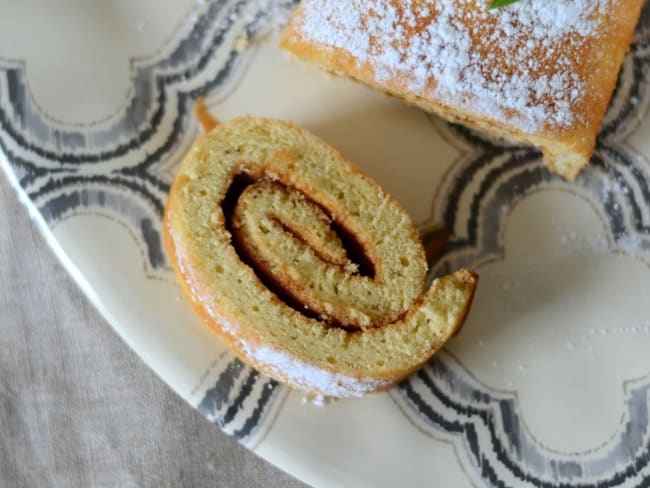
(549,381)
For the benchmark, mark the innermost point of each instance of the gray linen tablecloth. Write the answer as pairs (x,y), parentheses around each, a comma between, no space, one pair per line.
(77,406)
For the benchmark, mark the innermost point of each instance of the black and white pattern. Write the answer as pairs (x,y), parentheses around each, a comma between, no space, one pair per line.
(124,169)
(239,400)
(496,447)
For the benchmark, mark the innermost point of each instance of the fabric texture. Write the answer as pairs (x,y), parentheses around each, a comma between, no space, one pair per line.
(77,406)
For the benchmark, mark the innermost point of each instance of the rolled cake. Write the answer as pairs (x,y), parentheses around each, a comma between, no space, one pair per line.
(535,72)
(304,266)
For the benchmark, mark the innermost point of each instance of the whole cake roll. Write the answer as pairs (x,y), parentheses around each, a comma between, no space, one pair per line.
(306,268)
(535,72)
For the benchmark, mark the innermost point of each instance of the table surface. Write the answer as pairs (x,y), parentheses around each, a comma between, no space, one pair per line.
(77,406)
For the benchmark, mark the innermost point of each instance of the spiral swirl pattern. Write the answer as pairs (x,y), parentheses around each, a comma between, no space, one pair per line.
(268,264)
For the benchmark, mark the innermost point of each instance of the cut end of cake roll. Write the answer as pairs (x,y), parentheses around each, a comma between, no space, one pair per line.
(268,228)
(533,73)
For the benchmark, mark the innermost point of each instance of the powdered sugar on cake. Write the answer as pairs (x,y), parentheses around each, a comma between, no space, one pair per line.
(309,377)
(509,64)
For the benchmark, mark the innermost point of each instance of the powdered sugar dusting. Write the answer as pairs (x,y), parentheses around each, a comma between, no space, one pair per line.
(315,400)
(510,64)
(310,377)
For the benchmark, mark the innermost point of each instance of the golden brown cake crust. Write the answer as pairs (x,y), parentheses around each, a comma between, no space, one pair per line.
(306,352)
(535,72)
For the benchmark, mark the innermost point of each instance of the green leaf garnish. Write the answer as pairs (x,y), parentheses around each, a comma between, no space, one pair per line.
(500,3)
